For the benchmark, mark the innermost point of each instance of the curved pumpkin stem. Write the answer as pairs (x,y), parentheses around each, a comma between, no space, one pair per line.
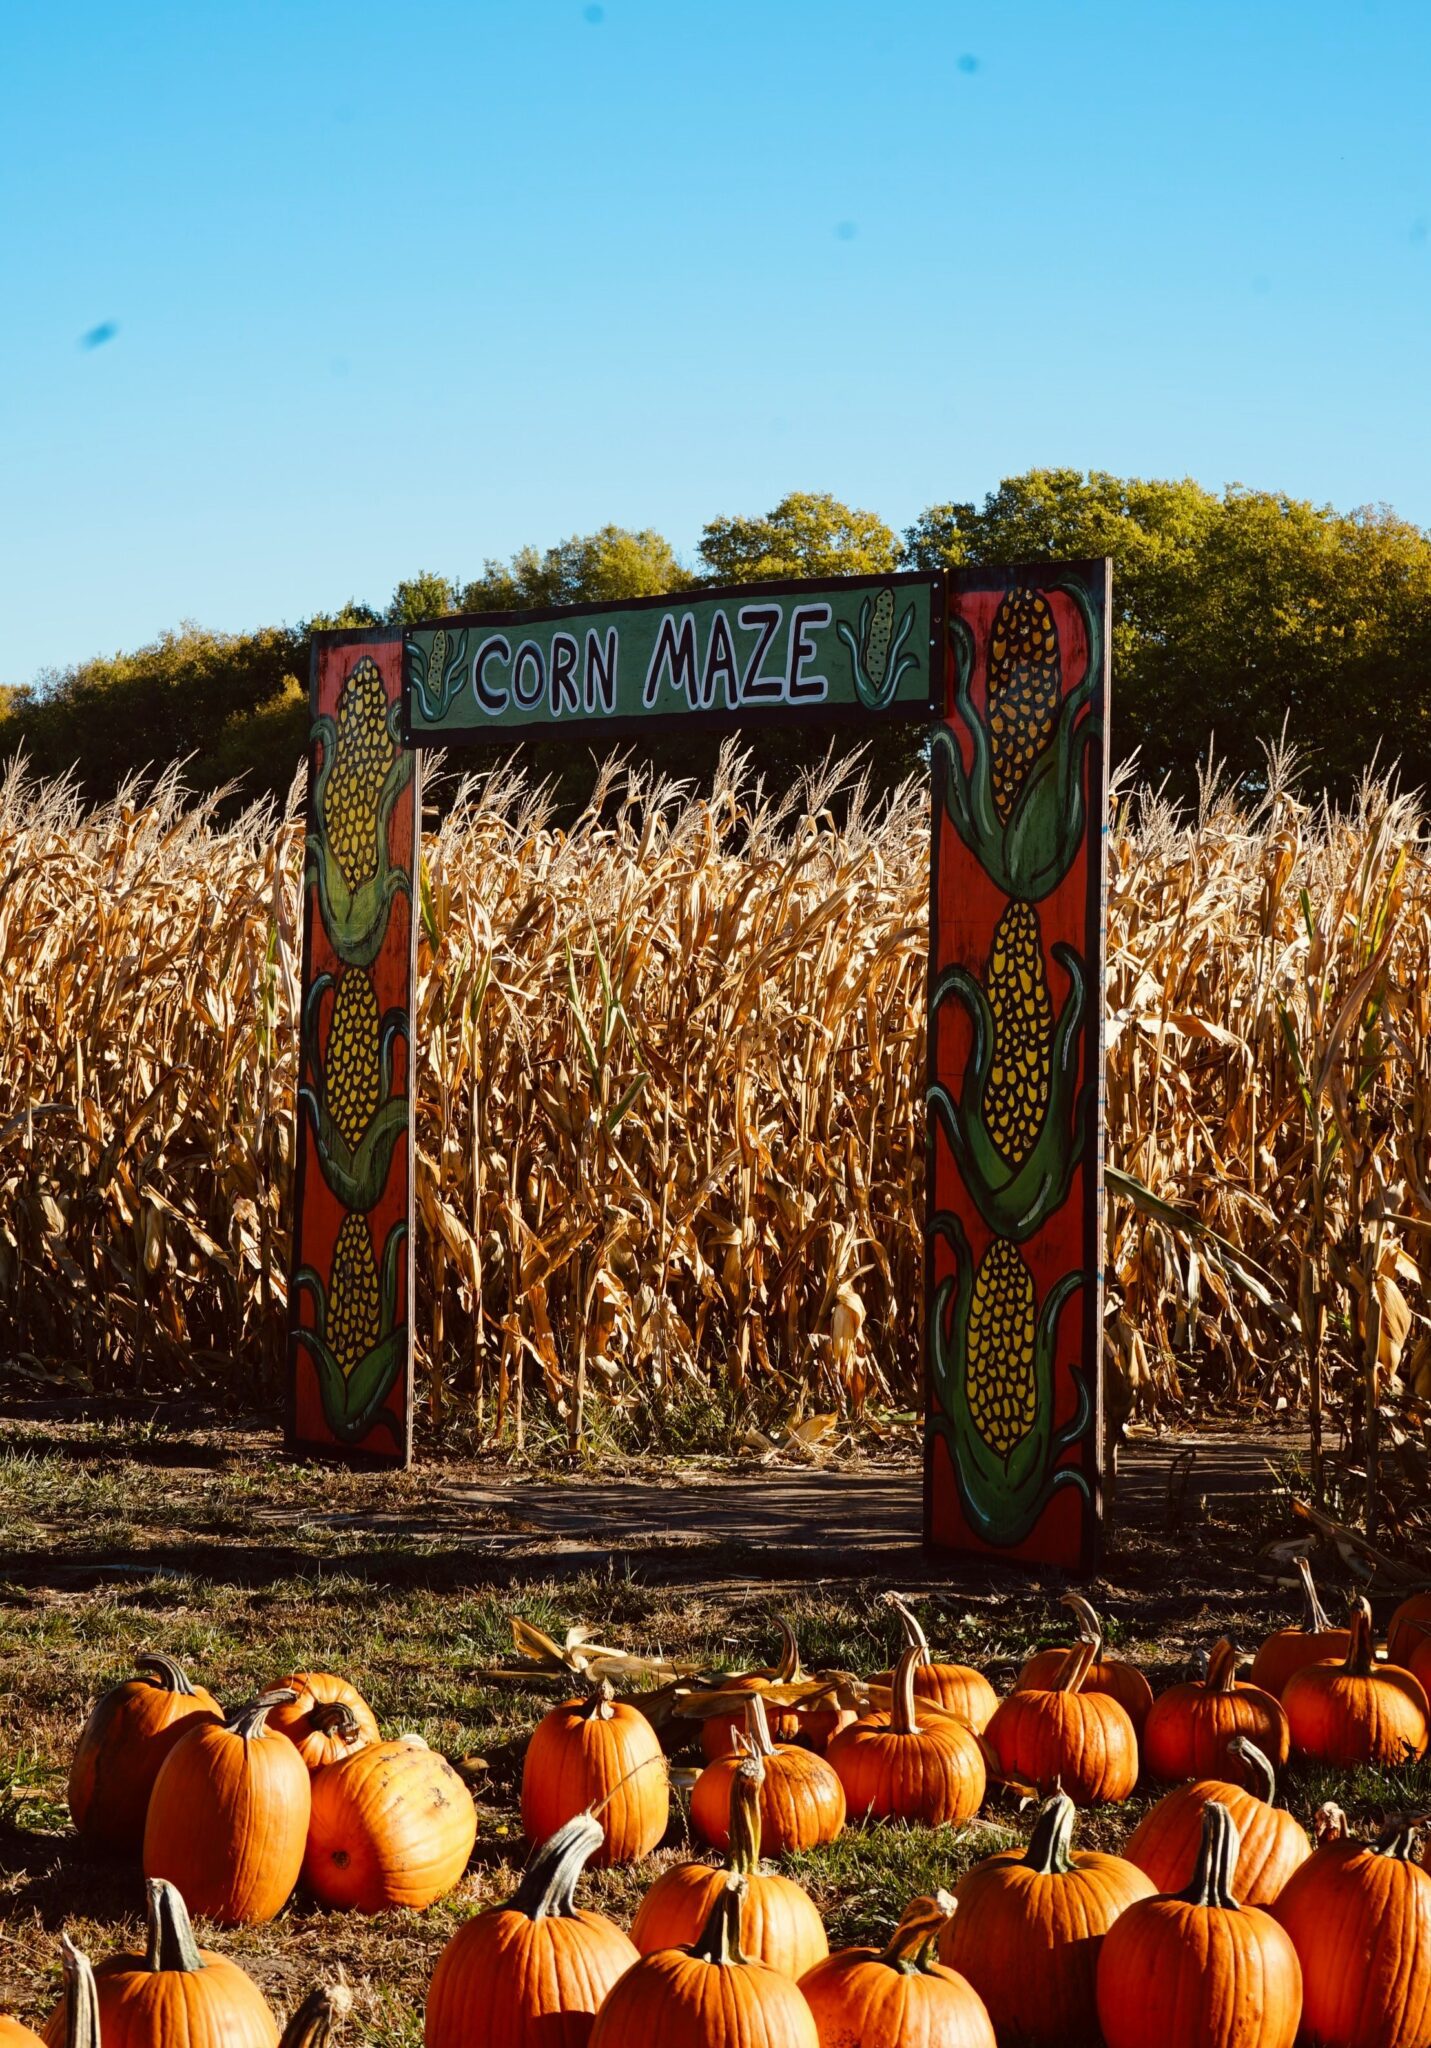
(912,1946)
(313,2022)
(251,1721)
(1216,1864)
(1221,1667)
(1074,1669)
(742,1857)
(786,1670)
(336,1717)
(164,1674)
(171,1943)
(81,1998)
(902,1718)
(914,1636)
(548,1887)
(1401,1838)
(1090,1628)
(757,1727)
(1316,1622)
(1360,1651)
(1260,1765)
(1050,1845)
(719,1940)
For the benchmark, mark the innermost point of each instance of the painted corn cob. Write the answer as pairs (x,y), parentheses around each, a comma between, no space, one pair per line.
(878,637)
(1025,679)
(354,1310)
(363,756)
(1017,1092)
(362,771)
(353,1067)
(999,1360)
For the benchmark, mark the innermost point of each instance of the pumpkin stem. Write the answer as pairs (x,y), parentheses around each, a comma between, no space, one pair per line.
(1401,1838)
(902,1719)
(1075,1668)
(787,1669)
(1049,1851)
(912,1946)
(312,2023)
(743,1855)
(914,1636)
(171,1939)
(336,1717)
(163,1673)
(1359,1651)
(1221,1667)
(757,1727)
(81,1998)
(1216,1864)
(598,1706)
(1317,1622)
(719,1940)
(1330,1824)
(251,1721)
(1090,1628)
(548,1887)
(1260,1765)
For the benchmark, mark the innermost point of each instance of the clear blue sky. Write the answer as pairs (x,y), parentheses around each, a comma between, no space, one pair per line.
(392,288)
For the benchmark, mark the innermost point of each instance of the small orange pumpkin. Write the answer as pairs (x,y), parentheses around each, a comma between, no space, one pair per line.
(901,1996)
(393,1825)
(1314,1642)
(1359,1917)
(1082,1743)
(600,1753)
(1121,1681)
(531,1973)
(779,1923)
(1166,1840)
(802,1802)
(895,1765)
(1187,1733)
(228,1817)
(958,1688)
(326,1720)
(130,1731)
(1358,1711)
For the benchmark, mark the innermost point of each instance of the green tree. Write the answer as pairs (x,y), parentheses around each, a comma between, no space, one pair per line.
(593,568)
(421,597)
(808,535)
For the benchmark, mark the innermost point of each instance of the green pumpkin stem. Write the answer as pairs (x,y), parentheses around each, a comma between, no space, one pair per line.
(1317,1621)
(81,1998)
(742,1857)
(252,1721)
(171,1938)
(913,1945)
(1216,1864)
(548,1887)
(1260,1765)
(312,2023)
(1360,1650)
(902,1717)
(719,1940)
(1050,1845)
(164,1674)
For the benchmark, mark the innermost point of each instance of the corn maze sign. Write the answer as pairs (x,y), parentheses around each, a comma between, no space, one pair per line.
(1009,670)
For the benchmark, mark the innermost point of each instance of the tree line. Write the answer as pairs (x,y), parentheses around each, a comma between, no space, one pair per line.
(1238,617)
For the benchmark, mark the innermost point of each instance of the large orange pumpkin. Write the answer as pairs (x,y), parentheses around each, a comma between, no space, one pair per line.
(531,1973)
(228,1817)
(1408,1631)
(1083,1743)
(779,1923)
(706,1996)
(392,1825)
(1121,1681)
(175,1992)
(802,1802)
(900,1996)
(326,1720)
(1196,1969)
(895,1766)
(1359,1917)
(130,1731)
(958,1688)
(602,1753)
(1166,1840)
(1029,1927)
(1187,1733)
(1358,1711)
(1314,1642)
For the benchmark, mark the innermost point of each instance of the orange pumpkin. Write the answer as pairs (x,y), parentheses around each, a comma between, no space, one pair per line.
(130,1731)
(14,2034)
(706,1996)
(802,1801)
(717,1730)
(1166,1840)
(176,1991)
(1359,1917)
(1029,1927)
(1122,1682)
(1196,1969)
(1082,1743)
(228,1817)
(779,1923)
(531,1973)
(1314,1642)
(901,1996)
(1358,1711)
(326,1720)
(958,1688)
(599,1752)
(392,1825)
(1408,1631)
(1187,1733)
(897,1766)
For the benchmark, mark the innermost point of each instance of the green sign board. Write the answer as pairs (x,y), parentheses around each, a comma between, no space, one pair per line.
(753,653)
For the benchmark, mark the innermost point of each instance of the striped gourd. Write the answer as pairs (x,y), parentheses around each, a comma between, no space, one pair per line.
(881,631)
(1016,1095)
(999,1378)
(1025,681)
(354,1310)
(353,1066)
(363,754)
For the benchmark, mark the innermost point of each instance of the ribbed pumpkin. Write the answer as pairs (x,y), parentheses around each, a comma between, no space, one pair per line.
(802,1802)
(1121,1681)
(1029,1927)
(706,1996)
(1166,1840)
(533,1972)
(1358,1711)
(14,2034)
(392,1825)
(1187,1733)
(897,1766)
(1359,1917)
(130,1731)
(779,1923)
(900,1996)
(1196,1969)
(959,1688)
(1083,1743)
(326,1720)
(176,1992)
(1315,1641)
(228,1817)
(597,1752)
(1408,1631)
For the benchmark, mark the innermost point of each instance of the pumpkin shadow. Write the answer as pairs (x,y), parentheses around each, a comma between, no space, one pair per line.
(59,1877)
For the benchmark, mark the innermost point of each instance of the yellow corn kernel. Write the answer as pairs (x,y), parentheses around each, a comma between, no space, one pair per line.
(354,1310)
(1025,682)
(999,1366)
(1016,1094)
(353,1065)
(363,754)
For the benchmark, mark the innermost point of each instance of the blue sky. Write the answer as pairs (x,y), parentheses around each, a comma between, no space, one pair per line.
(399,288)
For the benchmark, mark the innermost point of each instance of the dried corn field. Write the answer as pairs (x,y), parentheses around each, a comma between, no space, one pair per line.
(671,1142)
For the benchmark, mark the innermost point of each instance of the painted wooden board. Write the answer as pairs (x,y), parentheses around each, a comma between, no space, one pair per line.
(351,1291)
(1014,1226)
